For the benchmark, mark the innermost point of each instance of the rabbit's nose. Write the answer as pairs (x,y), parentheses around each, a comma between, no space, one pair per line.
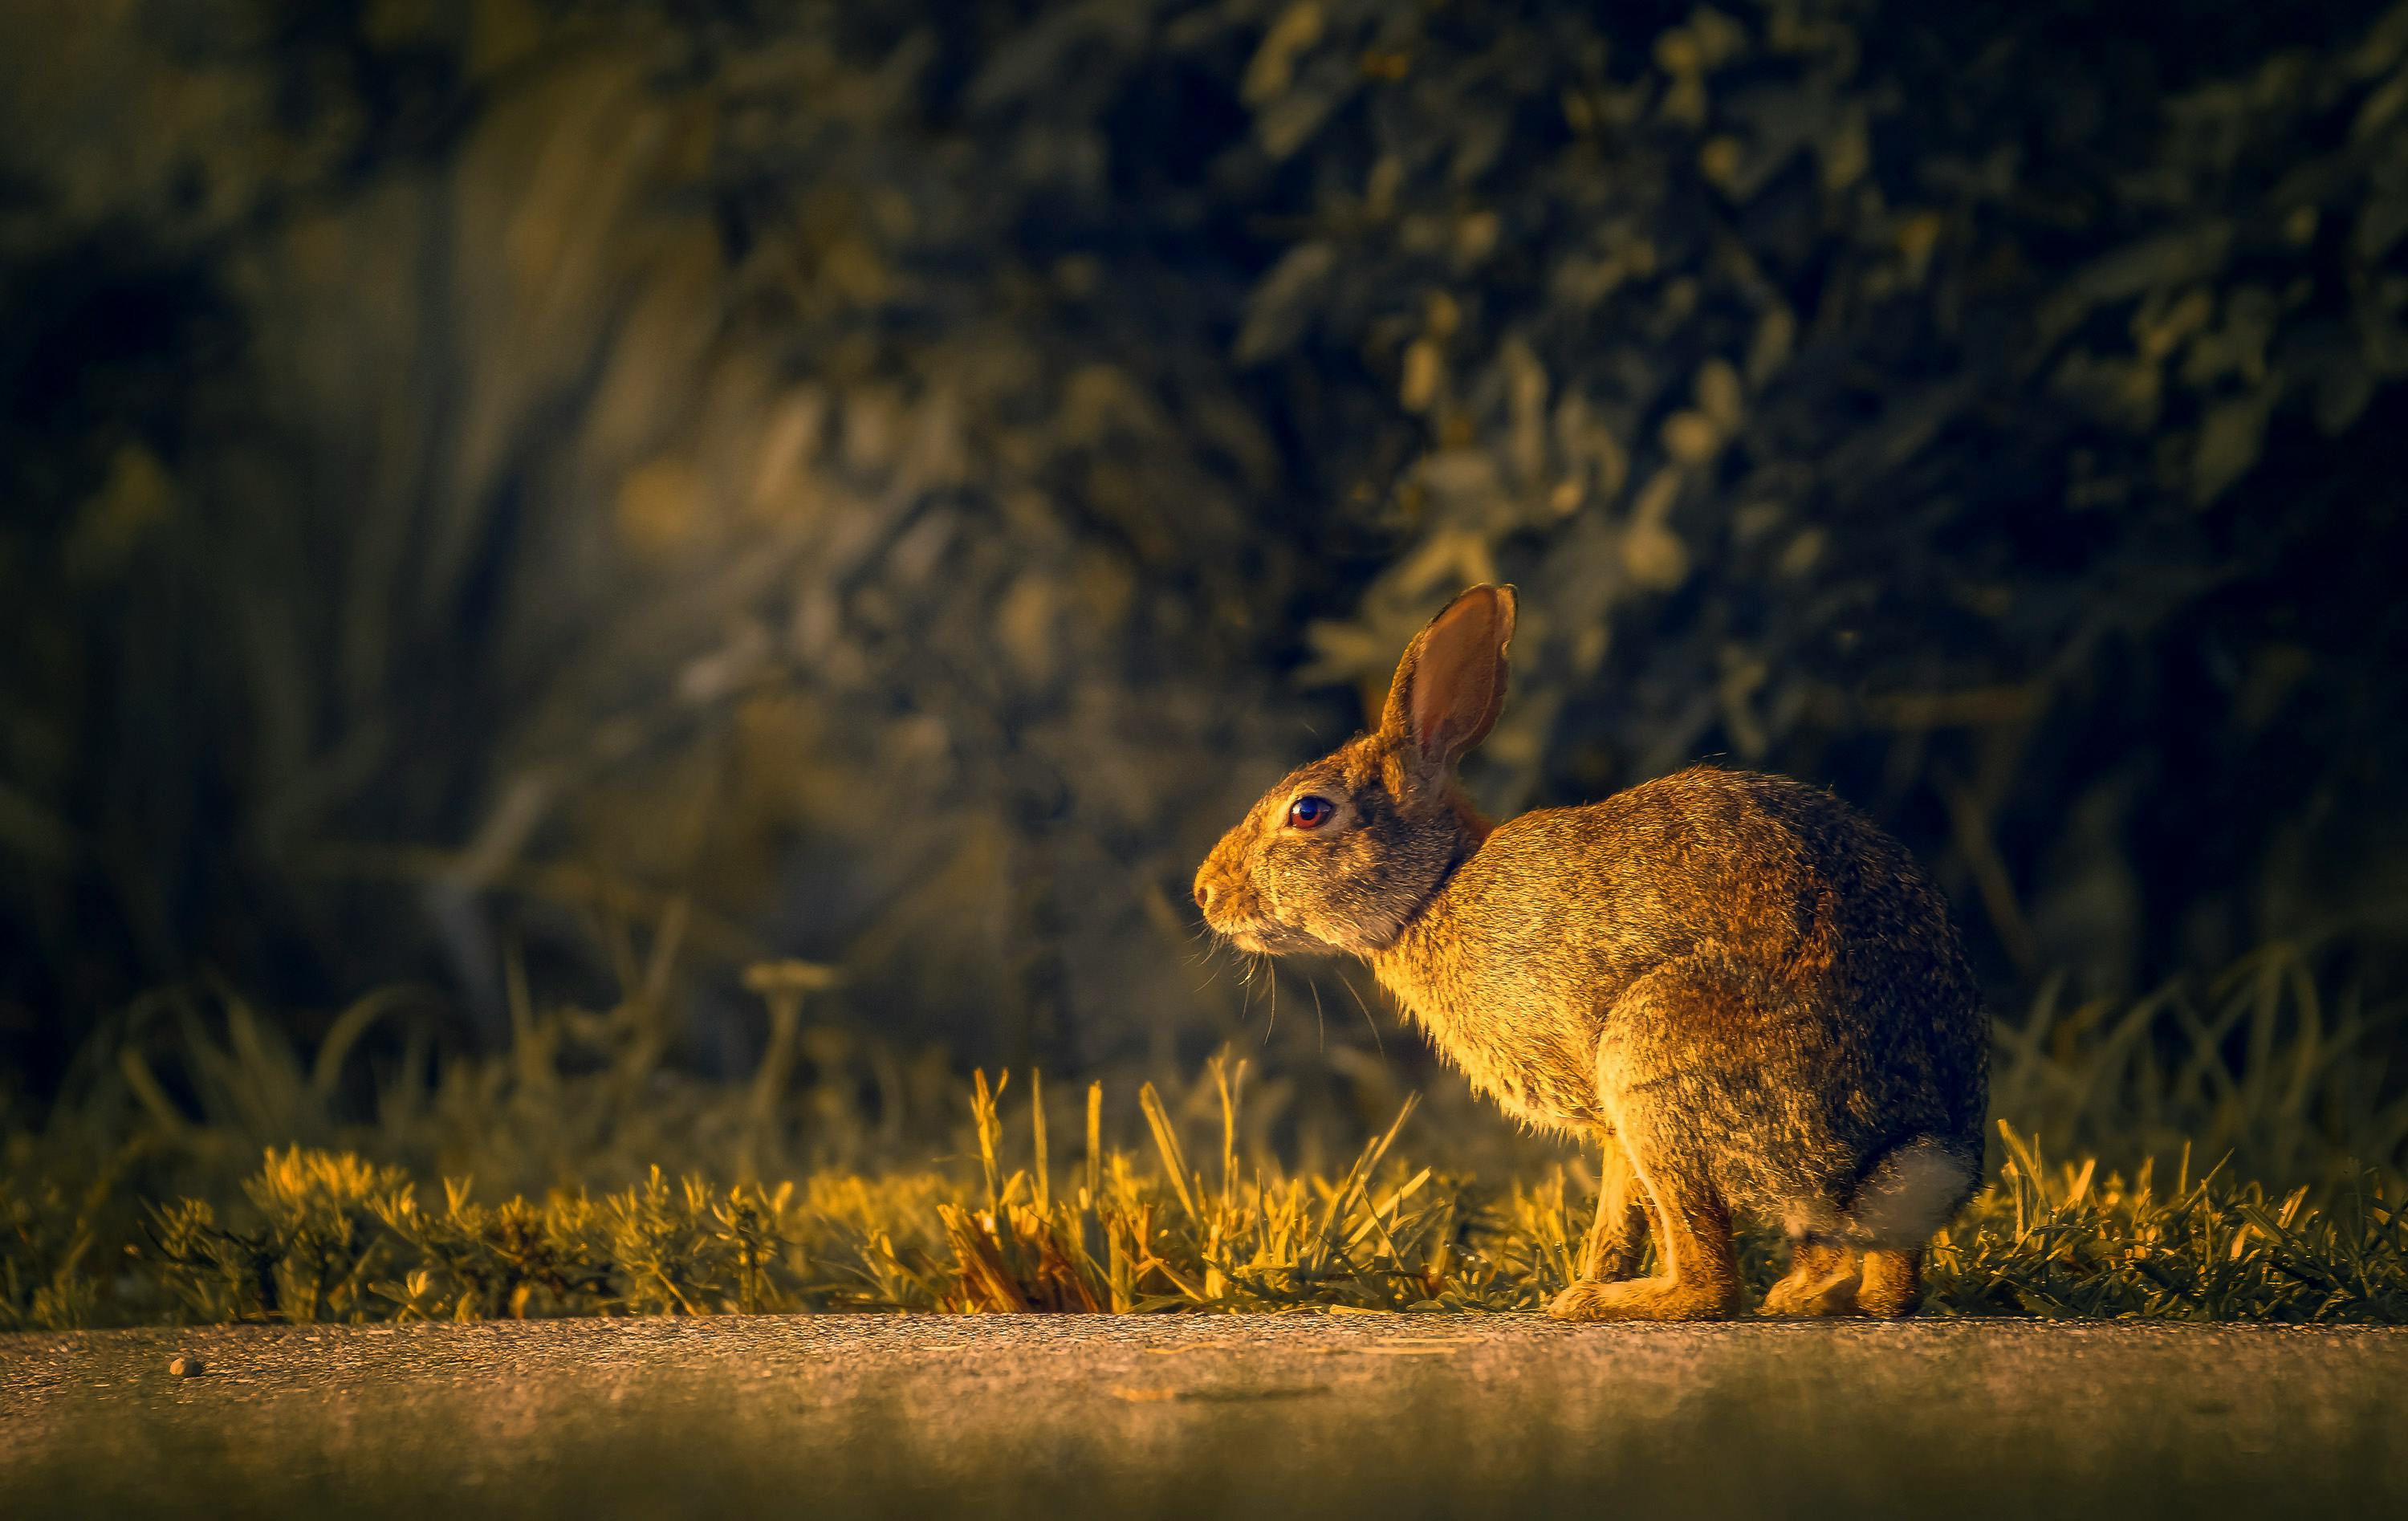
(1204,895)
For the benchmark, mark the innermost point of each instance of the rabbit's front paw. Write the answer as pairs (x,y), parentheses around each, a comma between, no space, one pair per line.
(1644,1299)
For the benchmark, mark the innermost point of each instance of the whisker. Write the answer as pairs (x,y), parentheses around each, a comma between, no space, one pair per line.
(1206,939)
(1377,1045)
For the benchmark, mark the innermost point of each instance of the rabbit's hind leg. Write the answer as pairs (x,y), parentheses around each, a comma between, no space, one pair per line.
(1822,1280)
(1910,1194)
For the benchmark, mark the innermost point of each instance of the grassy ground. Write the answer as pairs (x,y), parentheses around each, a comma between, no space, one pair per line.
(2235,1153)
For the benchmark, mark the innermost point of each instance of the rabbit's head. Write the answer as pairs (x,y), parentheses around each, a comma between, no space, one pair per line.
(1343,852)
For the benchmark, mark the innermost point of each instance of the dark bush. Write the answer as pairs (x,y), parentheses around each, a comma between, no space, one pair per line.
(599,487)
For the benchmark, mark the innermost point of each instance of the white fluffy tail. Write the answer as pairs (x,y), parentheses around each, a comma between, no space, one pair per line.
(1910,1194)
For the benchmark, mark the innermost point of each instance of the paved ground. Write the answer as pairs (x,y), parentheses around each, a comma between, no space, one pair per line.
(1281,1415)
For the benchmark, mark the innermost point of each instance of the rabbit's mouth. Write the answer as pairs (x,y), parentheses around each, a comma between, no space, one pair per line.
(1268,937)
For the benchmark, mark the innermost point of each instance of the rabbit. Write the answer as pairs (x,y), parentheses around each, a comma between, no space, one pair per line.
(1744,989)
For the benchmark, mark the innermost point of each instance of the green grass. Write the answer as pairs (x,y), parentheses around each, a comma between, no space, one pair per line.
(328,1236)
(2236,1153)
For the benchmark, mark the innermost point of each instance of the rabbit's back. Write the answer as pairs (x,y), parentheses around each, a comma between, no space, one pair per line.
(1837,955)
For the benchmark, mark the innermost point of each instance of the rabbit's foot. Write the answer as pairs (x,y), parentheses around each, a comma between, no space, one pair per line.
(1646,1299)
(1893,1283)
(1821,1280)
(1813,1294)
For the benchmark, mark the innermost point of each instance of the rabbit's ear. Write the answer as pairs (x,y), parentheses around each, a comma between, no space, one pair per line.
(1450,686)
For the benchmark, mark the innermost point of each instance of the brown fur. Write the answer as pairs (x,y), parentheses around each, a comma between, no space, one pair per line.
(1748,989)
(1821,1280)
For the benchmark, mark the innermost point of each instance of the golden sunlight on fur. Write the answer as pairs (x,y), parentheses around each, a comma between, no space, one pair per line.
(1747,992)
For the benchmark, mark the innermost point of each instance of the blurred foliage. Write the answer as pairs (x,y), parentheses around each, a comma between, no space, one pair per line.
(595,493)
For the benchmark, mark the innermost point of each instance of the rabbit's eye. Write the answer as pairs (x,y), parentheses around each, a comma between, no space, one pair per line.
(1310,813)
